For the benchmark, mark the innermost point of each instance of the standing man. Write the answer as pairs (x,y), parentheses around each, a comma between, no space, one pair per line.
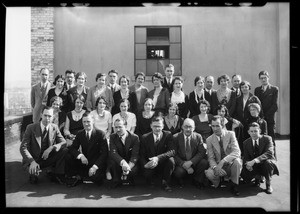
(124,154)
(42,146)
(70,79)
(157,154)
(268,96)
(39,95)
(112,84)
(90,162)
(190,155)
(169,72)
(259,158)
(224,155)
(209,83)
(236,81)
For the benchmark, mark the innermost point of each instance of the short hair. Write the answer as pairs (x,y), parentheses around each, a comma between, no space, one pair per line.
(101,98)
(149,100)
(120,120)
(87,114)
(219,107)
(205,102)
(263,73)
(58,77)
(173,104)
(140,74)
(255,105)
(159,76)
(126,77)
(56,98)
(245,83)
(197,78)
(236,75)
(224,76)
(69,71)
(100,75)
(47,108)
(171,66)
(44,69)
(157,119)
(124,100)
(254,124)
(80,74)
(217,117)
(80,97)
(209,76)
(113,71)
(190,120)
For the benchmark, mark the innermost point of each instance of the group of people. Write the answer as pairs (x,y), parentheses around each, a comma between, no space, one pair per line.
(116,131)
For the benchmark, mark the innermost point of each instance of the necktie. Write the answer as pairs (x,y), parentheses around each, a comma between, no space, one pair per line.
(156,140)
(87,136)
(222,149)
(44,133)
(256,149)
(188,151)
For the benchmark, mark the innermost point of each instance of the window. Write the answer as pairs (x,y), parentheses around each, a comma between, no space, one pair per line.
(157,46)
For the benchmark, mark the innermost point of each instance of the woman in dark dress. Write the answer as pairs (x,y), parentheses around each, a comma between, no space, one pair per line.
(172,121)
(143,119)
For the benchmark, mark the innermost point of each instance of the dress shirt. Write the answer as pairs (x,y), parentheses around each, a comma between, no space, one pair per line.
(156,137)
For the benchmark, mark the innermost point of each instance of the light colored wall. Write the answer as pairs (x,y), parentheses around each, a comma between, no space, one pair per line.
(215,41)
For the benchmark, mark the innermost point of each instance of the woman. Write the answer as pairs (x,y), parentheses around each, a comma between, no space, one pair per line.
(141,92)
(99,90)
(59,117)
(159,95)
(172,121)
(80,88)
(58,90)
(178,97)
(124,114)
(102,117)
(255,110)
(202,120)
(74,120)
(224,95)
(196,95)
(143,119)
(124,93)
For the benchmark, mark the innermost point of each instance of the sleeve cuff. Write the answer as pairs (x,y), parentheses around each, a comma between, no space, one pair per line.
(79,156)
(95,166)
(256,160)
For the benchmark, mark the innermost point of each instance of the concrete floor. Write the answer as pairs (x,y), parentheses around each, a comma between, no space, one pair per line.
(20,193)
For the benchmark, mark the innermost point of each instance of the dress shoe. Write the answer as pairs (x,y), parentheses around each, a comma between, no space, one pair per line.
(59,178)
(73,181)
(33,179)
(269,189)
(234,189)
(115,184)
(150,183)
(166,186)
(180,183)
(256,183)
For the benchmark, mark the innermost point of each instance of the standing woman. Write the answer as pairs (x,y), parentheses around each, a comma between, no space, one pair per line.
(74,120)
(129,118)
(99,90)
(59,90)
(224,95)
(159,95)
(79,88)
(179,97)
(172,121)
(196,95)
(143,119)
(124,93)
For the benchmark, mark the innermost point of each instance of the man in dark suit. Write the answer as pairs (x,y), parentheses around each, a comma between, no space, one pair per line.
(209,83)
(169,72)
(112,84)
(268,96)
(157,154)
(43,146)
(90,162)
(190,155)
(236,80)
(70,79)
(259,158)
(124,154)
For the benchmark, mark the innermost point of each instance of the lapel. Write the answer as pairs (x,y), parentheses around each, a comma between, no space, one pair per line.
(50,134)
(225,138)
(38,134)
(216,144)
(91,142)
(151,143)
(127,142)
(182,145)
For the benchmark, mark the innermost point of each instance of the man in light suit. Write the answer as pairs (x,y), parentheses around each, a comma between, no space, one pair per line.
(224,155)
(259,158)
(190,155)
(39,95)
(89,162)
(157,154)
(124,154)
(43,146)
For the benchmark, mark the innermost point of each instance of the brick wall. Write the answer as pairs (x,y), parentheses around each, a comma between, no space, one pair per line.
(42,39)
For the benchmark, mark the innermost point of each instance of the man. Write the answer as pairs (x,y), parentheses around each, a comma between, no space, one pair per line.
(90,162)
(268,96)
(259,159)
(190,155)
(209,83)
(236,80)
(113,77)
(43,146)
(39,95)
(223,155)
(124,154)
(70,79)
(169,73)
(157,154)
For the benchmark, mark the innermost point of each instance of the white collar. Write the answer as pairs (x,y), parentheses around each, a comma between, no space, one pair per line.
(42,126)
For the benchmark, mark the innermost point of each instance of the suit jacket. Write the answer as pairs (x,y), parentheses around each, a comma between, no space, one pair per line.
(194,105)
(168,86)
(91,98)
(113,90)
(117,98)
(95,150)
(129,151)
(197,147)
(266,150)
(163,100)
(236,91)
(71,96)
(30,147)
(230,145)
(208,97)
(144,94)
(38,100)
(268,99)
(165,148)
(230,104)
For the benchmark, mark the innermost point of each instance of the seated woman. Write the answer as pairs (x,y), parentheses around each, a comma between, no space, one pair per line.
(74,120)
(179,97)
(172,121)
(202,120)
(128,117)
(59,117)
(255,112)
(60,91)
(143,119)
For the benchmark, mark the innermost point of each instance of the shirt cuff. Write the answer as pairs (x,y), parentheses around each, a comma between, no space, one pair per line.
(256,160)
(95,166)
(79,156)
(122,162)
